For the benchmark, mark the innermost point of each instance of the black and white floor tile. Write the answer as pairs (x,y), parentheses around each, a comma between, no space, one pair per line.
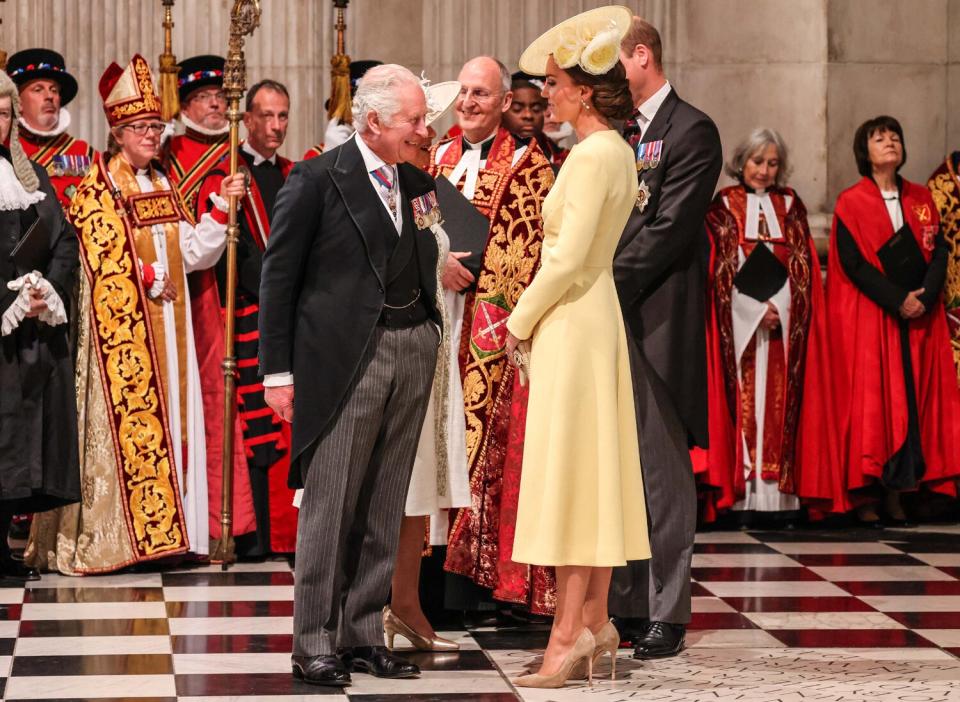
(851,616)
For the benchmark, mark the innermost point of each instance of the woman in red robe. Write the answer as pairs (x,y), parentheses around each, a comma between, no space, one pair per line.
(766,334)
(892,370)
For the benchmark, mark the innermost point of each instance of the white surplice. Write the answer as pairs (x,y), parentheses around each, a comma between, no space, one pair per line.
(761,495)
(200,248)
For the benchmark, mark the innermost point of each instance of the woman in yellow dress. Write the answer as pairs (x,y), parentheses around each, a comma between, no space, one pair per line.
(581,503)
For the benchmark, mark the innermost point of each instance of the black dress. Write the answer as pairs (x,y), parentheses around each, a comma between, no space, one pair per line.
(39,464)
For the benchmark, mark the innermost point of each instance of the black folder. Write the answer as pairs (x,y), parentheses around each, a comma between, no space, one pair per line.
(466,227)
(32,252)
(761,275)
(902,260)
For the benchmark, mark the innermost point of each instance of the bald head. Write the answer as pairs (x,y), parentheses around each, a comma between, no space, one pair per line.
(484,97)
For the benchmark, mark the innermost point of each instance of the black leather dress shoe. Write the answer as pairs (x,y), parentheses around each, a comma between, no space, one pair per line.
(321,670)
(662,640)
(14,569)
(378,662)
(631,629)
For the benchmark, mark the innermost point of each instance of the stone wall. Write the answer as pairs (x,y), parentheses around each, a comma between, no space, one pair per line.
(813,69)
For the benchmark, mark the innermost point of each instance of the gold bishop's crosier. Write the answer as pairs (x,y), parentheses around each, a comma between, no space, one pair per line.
(169,99)
(244,18)
(340,97)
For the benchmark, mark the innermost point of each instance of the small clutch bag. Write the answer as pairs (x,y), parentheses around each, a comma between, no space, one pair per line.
(521,359)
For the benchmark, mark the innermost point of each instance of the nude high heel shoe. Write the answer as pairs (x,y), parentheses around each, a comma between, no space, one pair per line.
(393,625)
(582,651)
(607,641)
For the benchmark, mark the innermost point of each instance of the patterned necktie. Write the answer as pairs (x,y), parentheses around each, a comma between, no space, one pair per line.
(632,131)
(386,180)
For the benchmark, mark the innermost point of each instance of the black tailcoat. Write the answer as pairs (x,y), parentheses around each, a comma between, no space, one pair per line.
(323,281)
(660,264)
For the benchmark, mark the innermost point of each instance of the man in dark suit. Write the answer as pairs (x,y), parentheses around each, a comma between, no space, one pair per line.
(348,316)
(660,273)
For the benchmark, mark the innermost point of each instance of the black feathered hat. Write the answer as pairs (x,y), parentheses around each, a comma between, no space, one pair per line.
(35,64)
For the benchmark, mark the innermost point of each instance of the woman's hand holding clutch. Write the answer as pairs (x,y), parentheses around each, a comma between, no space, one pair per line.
(518,355)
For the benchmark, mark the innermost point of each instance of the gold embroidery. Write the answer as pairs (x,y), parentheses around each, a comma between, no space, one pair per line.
(944,189)
(142,442)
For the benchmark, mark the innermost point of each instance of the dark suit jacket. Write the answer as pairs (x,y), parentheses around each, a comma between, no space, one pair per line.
(323,281)
(660,265)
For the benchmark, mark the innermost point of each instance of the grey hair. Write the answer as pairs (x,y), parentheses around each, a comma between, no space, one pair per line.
(22,167)
(377,92)
(757,140)
(506,79)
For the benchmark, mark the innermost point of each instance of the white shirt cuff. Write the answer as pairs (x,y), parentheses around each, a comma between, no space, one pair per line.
(221,203)
(277,380)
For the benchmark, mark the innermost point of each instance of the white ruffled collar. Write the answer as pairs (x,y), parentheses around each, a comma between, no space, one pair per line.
(13,196)
(63,124)
(190,124)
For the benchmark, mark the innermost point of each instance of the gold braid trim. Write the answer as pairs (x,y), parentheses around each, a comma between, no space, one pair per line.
(142,444)
(945,188)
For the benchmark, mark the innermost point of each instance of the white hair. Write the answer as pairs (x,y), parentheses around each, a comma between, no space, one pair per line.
(377,92)
(759,139)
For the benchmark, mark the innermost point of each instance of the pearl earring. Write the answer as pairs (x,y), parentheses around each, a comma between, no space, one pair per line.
(584,104)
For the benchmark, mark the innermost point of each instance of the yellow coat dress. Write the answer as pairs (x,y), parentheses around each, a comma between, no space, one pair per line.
(581,490)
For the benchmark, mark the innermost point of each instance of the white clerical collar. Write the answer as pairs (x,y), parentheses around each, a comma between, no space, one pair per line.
(650,106)
(370,160)
(757,203)
(479,144)
(190,124)
(258,158)
(63,124)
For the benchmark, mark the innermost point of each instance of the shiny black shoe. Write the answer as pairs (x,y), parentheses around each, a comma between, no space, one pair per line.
(321,670)
(378,662)
(13,569)
(662,640)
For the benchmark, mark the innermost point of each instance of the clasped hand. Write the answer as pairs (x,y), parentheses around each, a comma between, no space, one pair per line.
(911,307)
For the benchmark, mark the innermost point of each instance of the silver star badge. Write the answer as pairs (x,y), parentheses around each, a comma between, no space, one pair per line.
(643,196)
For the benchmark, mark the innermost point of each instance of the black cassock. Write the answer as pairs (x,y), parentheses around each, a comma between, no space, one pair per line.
(39,464)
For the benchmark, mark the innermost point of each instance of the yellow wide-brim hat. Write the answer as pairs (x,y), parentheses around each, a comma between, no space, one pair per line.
(576,32)
(440,98)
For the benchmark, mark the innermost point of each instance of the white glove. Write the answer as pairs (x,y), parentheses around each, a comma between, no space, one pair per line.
(54,314)
(337,133)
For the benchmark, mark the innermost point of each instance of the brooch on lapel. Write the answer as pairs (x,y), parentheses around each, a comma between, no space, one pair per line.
(426,210)
(648,155)
(643,196)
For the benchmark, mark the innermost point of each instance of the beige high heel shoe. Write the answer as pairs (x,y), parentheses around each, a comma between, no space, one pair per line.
(608,641)
(582,651)
(393,625)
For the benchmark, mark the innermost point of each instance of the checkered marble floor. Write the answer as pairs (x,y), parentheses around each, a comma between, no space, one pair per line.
(843,616)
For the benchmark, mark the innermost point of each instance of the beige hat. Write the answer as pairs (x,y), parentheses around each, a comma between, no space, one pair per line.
(440,98)
(590,40)
(21,164)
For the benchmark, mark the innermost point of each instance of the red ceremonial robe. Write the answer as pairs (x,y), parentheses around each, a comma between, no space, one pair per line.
(875,397)
(189,158)
(65,159)
(481,536)
(312,152)
(799,408)
(266,437)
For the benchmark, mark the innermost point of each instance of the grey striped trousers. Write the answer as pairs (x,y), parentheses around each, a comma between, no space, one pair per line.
(355,487)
